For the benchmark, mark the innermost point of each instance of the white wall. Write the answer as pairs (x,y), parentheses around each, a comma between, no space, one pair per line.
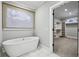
(11,34)
(0,22)
(42,23)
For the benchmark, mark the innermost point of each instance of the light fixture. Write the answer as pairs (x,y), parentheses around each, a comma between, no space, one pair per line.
(65,9)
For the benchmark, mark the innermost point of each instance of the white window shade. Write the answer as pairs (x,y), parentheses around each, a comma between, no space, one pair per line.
(18,18)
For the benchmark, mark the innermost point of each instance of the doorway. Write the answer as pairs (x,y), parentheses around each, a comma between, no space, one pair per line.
(65,32)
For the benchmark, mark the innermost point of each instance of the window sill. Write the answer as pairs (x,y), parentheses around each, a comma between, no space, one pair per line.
(11,29)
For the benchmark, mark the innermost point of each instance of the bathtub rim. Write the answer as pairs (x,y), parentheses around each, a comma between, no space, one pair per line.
(7,41)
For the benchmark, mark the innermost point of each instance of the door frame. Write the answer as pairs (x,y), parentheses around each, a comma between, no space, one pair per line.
(51,24)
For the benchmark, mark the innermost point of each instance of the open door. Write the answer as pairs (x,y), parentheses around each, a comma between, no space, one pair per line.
(65,30)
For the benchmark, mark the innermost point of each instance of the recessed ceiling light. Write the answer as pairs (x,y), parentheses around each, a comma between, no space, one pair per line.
(65,9)
(70,13)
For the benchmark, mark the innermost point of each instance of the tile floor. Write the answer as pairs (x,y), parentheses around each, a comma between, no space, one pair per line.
(40,52)
(65,47)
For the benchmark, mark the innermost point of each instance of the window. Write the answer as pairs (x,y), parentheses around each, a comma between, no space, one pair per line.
(14,17)
(71,20)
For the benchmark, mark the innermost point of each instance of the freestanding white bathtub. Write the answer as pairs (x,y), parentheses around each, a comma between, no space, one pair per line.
(19,46)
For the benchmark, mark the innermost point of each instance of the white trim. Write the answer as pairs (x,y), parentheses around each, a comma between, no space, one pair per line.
(72,37)
(51,21)
(9,29)
(58,4)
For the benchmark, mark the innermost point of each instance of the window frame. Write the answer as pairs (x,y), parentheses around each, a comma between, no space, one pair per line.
(4,10)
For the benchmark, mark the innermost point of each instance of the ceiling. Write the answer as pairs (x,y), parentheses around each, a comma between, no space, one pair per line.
(67,10)
(32,5)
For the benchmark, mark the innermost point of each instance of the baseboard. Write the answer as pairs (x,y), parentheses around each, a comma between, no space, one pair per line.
(70,37)
(48,48)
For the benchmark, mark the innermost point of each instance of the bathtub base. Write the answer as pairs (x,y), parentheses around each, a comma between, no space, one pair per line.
(27,45)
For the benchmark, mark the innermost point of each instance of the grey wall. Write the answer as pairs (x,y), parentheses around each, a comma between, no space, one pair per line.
(0,22)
